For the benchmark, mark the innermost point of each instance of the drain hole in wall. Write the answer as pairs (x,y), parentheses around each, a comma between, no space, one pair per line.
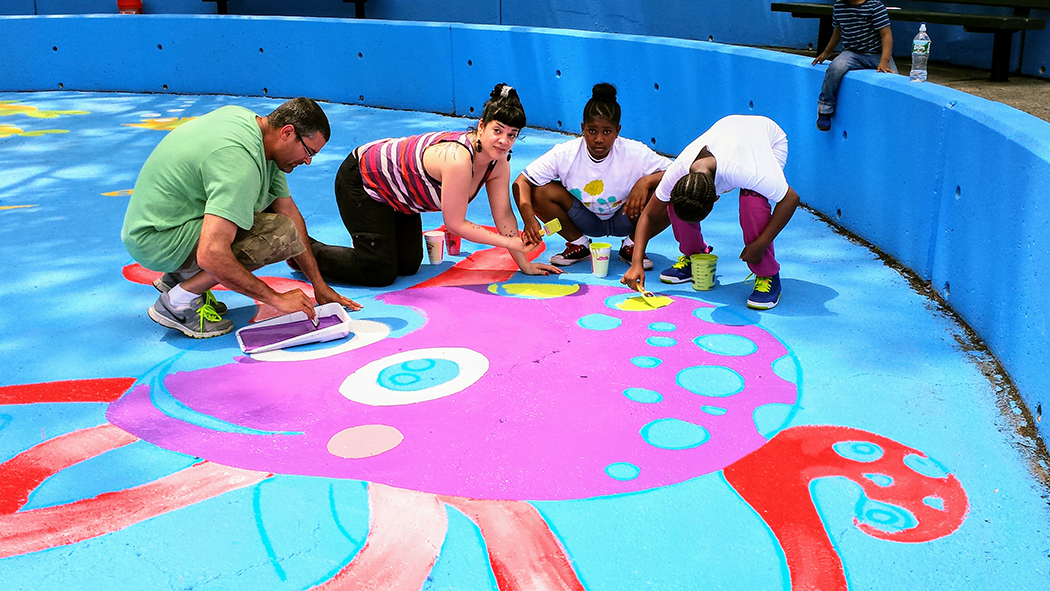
(656,86)
(55,48)
(261,50)
(652,141)
(751,105)
(843,134)
(710,37)
(159,46)
(947,289)
(1042,69)
(557,73)
(165,87)
(265,91)
(60,85)
(1038,413)
(838,213)
(470,62)
(958,192)
(559,125)
(360,55)
(811,47)
(472,109)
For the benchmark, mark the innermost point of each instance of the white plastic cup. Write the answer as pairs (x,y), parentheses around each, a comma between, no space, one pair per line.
(435,246)
(703,267)
(600,252)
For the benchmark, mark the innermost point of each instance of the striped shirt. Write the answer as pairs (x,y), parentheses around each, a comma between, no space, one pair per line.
(392,171)
(860,24)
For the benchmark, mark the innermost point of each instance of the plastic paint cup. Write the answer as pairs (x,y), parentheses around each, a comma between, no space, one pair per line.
(452,243)
(600,252)
(703,267)
(435,246)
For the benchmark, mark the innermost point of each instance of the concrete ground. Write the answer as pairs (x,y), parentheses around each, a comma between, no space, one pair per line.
(479,429)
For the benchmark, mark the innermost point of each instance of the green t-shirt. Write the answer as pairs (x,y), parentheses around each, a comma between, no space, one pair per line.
(213,164)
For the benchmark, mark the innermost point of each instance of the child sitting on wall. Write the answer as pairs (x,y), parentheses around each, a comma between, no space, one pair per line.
(864,29)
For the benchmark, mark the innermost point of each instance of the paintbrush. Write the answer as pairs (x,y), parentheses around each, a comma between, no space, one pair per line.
(551,227)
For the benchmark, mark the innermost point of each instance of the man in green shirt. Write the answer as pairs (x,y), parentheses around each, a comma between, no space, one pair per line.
(212,204)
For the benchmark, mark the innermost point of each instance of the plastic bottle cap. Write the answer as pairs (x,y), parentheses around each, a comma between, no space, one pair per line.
(922,27)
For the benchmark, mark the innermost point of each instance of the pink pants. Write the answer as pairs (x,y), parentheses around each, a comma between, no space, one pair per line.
(754,215)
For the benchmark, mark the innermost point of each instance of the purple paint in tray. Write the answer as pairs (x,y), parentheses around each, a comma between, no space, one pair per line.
(264,336)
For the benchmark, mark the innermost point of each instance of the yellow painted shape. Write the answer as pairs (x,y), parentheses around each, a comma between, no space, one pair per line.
(638,303)
(120,193)
(41,132)
(161,124)
(6,130)
(13,108)
(594,187)
(2,207)
(537,291)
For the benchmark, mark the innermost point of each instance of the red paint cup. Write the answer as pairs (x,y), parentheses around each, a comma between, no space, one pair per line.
(452,243)
(129,6)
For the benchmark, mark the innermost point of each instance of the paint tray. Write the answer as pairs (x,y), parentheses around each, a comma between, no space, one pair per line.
(295,329)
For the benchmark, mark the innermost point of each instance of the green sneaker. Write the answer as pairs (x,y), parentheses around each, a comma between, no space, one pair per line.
(199,320)
(165,282)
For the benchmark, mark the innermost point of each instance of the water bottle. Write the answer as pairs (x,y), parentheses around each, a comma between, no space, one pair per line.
(920,54)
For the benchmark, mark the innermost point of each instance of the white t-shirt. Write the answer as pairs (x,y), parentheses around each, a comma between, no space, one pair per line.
(750,153)
(601,186)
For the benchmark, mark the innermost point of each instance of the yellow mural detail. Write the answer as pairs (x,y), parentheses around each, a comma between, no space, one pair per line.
(8,108)
(3,207)
(594,187)
(161,124)
(120,193)
(9,130)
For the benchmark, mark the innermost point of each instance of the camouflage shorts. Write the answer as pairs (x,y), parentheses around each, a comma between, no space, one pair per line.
(271,239)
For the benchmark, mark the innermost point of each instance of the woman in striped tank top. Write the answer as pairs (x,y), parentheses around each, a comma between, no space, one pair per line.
(383,186)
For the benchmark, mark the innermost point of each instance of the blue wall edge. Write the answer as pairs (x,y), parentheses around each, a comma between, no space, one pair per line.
(942,181)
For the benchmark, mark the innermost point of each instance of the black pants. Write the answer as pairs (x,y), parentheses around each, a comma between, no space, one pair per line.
(387,243)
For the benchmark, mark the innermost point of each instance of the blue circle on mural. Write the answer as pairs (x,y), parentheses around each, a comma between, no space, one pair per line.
(599,322)
(661,341)
(622,471)
(935,502)
(926,466)
(880,479)
(663,327)
(418,374)
(643,395)
(788,368)
(710,380)
(858,451)
(884,517)
(726,344)
(647,362)
(714,410)
(674,434)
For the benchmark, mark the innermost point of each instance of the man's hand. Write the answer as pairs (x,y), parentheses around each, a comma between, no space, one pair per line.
(634,278)
(820,58)
(293,301)
(325,295)
(884,66)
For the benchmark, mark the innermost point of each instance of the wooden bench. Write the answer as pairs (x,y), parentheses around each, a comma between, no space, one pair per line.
(359,7)
(1002,26)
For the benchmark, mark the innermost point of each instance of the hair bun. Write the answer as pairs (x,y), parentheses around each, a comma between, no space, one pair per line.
(603,91)
(502,90)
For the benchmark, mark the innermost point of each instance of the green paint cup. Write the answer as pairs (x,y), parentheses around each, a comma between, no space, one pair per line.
(703,267)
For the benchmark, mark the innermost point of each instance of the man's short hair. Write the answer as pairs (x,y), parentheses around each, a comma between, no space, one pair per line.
(302,113)
(693,196)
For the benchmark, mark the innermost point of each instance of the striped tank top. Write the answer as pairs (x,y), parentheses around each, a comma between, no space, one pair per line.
(392,171)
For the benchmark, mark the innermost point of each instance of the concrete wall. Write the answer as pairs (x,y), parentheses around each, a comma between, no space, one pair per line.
(739,22)
(950,184)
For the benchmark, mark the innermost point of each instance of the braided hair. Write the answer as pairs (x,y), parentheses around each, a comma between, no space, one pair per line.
(602,105)
(693,196)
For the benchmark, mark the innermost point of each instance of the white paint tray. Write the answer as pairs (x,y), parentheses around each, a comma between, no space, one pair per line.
(292,330)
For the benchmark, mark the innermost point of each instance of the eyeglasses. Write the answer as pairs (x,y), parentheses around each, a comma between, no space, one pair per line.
(309,153)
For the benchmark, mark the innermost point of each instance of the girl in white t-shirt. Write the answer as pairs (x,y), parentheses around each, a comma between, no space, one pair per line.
(596,185)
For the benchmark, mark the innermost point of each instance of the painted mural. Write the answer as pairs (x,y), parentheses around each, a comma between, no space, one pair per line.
(477,430)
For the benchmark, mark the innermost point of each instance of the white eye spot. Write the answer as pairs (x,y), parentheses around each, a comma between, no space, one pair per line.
(363,333)
(415,376)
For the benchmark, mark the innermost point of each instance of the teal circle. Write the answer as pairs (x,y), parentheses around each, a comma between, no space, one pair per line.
(599,322)
(662,327)
(710,380)
(642,395)
(926,466)
(647,362)
(788,368)
(418,374)
(726,344)
(714,410)
(884,517)
(661,341)
(674,434)
(935,502)
(880,479)
(858,451)
(622,471)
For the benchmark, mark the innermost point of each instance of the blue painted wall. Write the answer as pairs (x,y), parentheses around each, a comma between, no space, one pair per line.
(724,21)
(949,184)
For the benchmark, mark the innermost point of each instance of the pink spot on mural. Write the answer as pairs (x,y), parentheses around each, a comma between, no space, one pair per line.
(364,441)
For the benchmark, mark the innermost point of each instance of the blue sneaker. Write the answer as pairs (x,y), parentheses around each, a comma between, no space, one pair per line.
(766,294)
(680,272)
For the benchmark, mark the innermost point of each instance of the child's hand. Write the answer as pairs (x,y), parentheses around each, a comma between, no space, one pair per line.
(753,253)
(634,278)
(531,234)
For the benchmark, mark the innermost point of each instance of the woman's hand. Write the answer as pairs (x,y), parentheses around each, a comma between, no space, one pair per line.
(518,245)
(540,269)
